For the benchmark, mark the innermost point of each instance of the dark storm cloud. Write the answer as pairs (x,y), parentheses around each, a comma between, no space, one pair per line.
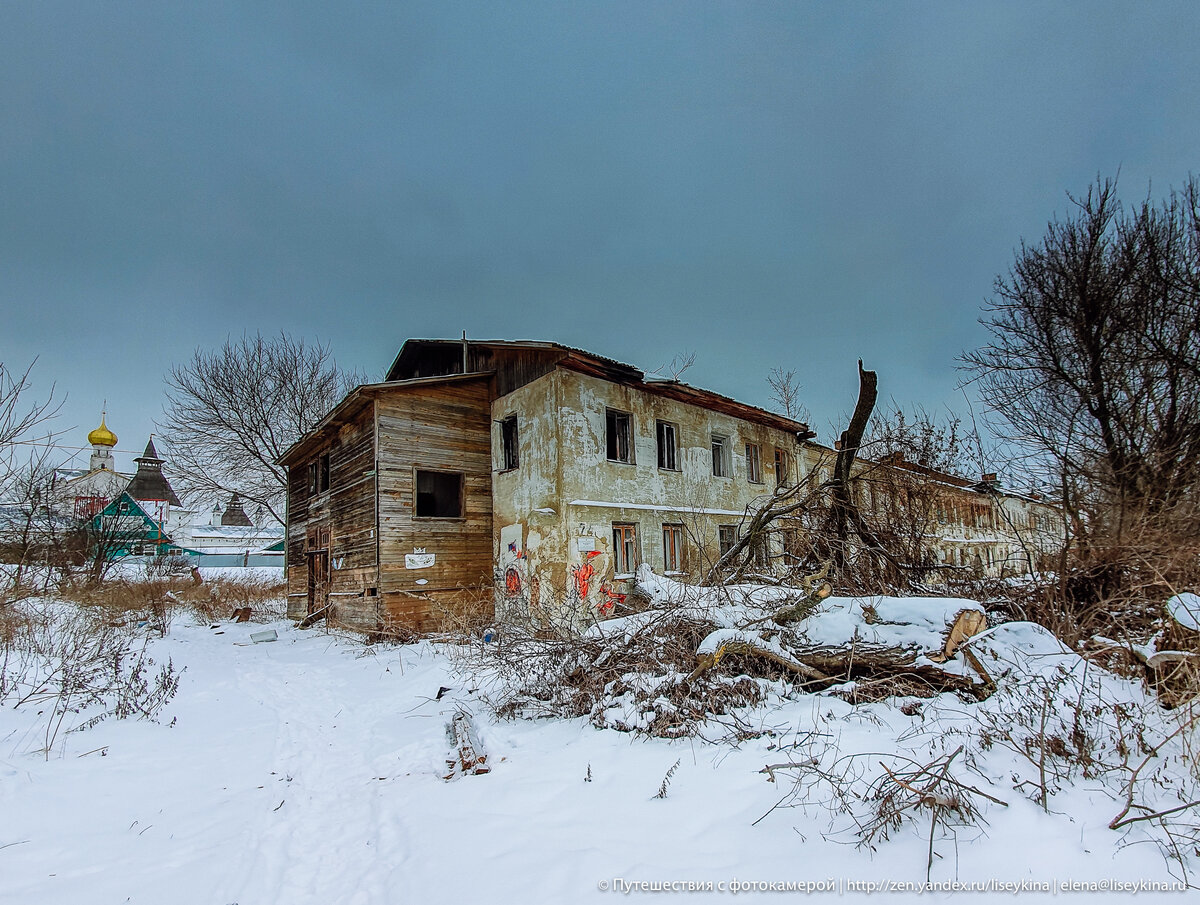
(761,183)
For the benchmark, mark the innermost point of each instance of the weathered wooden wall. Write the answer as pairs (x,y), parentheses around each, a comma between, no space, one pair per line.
(347,511)
(297,521)
(440,427)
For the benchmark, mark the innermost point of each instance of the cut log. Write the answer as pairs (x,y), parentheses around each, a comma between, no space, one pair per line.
(877,671)
(468,755)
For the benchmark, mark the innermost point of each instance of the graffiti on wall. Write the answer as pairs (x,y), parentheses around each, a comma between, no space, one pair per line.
(610,601)
(583,574)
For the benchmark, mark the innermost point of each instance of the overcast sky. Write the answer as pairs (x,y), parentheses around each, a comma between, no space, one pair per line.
(790,184)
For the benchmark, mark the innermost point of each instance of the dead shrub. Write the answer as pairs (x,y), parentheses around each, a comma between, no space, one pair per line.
(903,793)
(635,683)
(76,660)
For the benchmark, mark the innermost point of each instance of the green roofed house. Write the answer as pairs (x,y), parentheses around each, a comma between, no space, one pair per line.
(128,527)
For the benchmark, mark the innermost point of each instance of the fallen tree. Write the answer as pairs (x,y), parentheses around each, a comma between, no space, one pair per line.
(698,653)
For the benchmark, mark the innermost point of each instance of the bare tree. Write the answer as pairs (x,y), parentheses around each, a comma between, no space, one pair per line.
(1094,356)
(20,418)
(785,393)
(1094,364)
(940,444)
(24,501)
(231,413)
(677,365)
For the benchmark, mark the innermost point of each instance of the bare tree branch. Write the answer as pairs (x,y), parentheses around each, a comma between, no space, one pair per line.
(232,412)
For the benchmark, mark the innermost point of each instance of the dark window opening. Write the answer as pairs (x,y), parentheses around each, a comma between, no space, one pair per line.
(508,439)
(318,474)
(439,494)
(782,467)
(753,463)
(667,448)
(727,536)
(720,456)
(760,552)
(619,436)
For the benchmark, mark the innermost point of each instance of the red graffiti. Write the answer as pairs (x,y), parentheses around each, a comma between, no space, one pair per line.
(611,599)
(584,574)
(512,581)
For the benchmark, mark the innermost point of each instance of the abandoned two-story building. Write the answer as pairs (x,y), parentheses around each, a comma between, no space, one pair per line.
(525,474)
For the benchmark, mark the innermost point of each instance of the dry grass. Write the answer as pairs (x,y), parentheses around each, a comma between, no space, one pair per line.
(161,598)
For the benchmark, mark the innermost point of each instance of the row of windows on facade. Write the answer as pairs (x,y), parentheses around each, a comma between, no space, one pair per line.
(619,446)
(439,494)
(626,549)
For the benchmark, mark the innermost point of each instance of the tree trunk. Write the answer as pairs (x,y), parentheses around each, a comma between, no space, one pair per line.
(842,503)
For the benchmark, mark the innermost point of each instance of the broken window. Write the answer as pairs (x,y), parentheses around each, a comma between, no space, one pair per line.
(324,472)
(313,477)
(783,467)
(727,536)
(508,440)
(720,456)
(753,463)
(625,556)
(619,436)
(760,551)
(667,449)
(673,548)
(439,494)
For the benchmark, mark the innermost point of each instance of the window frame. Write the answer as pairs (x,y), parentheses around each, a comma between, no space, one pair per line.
(626,551)
(783,467)
(722,532)
(462,494)
(660,429)
(510,444)
(613,420)
(674,560)
(323,470)
(721,466)
(754,462)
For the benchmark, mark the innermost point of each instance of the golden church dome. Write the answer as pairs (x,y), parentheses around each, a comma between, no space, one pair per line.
(102,436)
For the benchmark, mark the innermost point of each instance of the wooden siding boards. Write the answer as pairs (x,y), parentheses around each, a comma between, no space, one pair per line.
(514,364)
(346,512)
(442,428)
(375,449)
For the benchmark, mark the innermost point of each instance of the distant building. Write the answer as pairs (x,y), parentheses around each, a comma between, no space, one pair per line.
(230,531)
(140,514)
(83,494)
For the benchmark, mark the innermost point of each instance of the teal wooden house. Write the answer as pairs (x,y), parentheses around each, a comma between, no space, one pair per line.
(129,527)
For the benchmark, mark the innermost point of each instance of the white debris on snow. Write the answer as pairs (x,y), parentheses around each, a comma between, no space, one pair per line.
(1185,609)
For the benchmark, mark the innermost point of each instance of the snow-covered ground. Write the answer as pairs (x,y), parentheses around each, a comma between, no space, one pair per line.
(310,770)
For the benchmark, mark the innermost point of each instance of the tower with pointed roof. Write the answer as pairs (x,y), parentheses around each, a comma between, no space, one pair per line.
(235,515)
(149,483)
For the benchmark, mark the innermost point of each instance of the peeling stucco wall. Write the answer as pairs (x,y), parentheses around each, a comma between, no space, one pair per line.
(564,468)
(554,514)
(529,533)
